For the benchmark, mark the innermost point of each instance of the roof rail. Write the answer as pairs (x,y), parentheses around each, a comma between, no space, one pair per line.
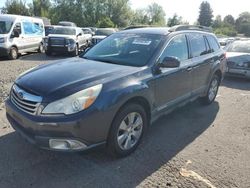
(190,27)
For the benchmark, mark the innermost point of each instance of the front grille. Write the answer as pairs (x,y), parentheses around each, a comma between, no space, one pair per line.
(25,101)
(56,41)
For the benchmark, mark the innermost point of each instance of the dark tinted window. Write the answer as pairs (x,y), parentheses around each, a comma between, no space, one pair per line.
(177,48)
(198,46)
(18,28)
(213,43)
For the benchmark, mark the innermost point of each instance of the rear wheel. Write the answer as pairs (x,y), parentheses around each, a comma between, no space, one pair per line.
(127,130)
(13,54)
(212,91)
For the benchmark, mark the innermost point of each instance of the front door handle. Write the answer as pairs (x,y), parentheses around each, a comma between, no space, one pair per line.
(189,69)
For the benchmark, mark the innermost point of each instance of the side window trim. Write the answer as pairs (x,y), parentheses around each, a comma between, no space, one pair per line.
(209,49)
(169,41)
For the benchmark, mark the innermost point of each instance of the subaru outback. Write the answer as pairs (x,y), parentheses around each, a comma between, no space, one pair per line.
(113,92)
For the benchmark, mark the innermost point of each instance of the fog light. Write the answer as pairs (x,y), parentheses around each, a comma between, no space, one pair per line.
(65,144)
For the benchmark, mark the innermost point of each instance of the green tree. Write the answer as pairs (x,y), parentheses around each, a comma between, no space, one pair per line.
(175,20)
(217,22)
(40,8)
(105,22)
(229,19)
(242,22)
(16,7)
(140,17)
(156,15)
(205,14)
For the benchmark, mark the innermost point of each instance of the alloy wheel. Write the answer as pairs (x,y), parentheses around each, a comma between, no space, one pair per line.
(130,131)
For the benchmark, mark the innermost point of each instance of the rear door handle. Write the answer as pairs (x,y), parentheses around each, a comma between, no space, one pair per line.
(189,69)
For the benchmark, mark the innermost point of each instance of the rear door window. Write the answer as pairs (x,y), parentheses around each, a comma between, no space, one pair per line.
(198,45)
(214,45)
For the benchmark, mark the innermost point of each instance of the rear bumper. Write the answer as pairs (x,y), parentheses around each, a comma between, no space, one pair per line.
(243,73)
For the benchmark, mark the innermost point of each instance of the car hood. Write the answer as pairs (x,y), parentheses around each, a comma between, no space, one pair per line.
(62,36)
(60,79)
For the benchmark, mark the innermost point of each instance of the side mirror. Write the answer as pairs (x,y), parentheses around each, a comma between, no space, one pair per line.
(15,34)
(80,34)
(170,62)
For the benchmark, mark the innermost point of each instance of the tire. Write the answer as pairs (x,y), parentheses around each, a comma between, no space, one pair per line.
(48,53)
(76,52)
(40,48)
(212,90)
(130,134)
(13,54)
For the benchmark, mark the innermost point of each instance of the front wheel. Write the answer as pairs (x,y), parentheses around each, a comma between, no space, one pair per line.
(127,130)
(40,48)
(212,90)
(75,52)
(13,54)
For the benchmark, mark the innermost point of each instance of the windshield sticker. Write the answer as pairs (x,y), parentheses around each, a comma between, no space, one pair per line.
(142,41)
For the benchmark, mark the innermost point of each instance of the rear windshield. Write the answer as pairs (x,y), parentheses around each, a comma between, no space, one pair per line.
(243,47)
(64,31)
(5,27)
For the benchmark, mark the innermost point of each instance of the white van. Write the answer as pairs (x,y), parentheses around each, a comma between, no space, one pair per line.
(19,34)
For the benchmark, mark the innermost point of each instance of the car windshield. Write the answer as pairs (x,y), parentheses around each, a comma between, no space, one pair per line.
(125,49)
(105,32)
(64,31)
(5,27)
(243,47)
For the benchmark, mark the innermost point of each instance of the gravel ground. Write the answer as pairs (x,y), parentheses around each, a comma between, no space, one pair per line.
(194,146)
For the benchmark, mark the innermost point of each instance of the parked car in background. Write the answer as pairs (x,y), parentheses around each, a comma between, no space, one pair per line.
(65,23)
(224,42)
(20,34)
(102,33)
(93,29)
(114,91)
(65,40)
(88,34)
(238,59)
(48,29)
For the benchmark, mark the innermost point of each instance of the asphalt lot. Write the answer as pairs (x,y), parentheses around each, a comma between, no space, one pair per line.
(195,146)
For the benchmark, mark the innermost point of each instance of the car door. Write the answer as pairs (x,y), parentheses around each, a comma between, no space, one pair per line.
(18,41)
(202,60)
(174,85)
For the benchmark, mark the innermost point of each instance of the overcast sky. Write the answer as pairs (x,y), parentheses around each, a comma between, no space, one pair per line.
(189,9)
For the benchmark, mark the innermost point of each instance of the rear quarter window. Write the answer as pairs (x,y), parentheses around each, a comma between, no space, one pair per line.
(198,45)
(213,43)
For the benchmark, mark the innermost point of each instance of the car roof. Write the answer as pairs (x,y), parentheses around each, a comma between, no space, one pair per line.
(148,30)
(162,31)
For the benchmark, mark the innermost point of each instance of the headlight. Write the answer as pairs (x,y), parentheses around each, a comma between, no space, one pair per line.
(74,103)
(70,41)
(3,40)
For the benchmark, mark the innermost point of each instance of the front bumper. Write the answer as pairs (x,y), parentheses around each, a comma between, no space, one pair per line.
(90,128)
(236,72)
(61,49)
